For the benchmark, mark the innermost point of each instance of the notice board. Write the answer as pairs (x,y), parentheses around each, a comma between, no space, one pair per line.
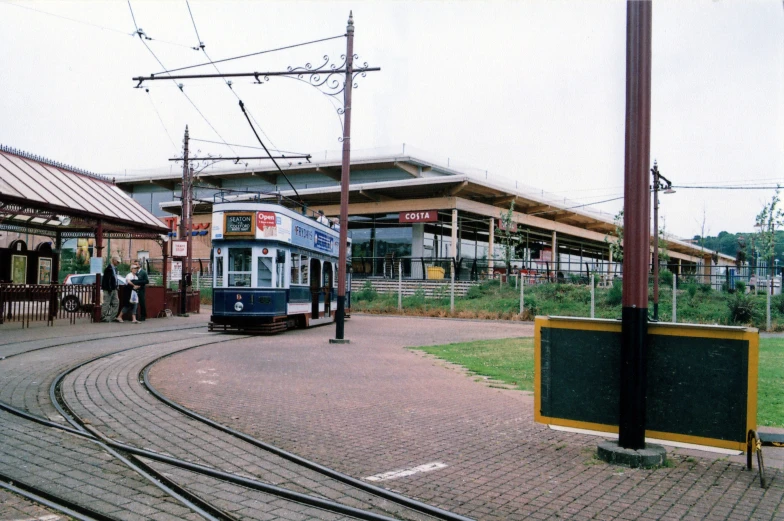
(702,380)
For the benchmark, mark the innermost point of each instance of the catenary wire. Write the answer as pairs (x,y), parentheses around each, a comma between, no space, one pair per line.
(168,71)
(97,26)
(183,92)
(149,97)
(246,146)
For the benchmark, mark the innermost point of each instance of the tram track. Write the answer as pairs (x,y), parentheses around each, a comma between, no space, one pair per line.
(135,455)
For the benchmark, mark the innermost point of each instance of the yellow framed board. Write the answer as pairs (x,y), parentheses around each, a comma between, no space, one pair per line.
(701,389)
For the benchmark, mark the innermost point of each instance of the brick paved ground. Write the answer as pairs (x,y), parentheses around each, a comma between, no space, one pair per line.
(373,406)
(365,408)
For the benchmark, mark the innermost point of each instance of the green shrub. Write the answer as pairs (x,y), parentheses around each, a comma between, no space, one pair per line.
(474,292)
(691,289)
(368,292)
(705,288)
(777,303)
(740,286)
(665,278)
(615,293)
(741,309)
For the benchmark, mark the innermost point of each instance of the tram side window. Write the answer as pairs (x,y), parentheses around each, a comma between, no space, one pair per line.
(218,272)
(294,269)
(304,264)
(280,266)
(239,266)
(264,272)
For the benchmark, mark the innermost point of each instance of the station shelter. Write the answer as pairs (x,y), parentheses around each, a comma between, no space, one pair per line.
(44,203)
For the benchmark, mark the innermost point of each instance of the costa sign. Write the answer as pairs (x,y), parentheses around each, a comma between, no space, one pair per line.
(422,216)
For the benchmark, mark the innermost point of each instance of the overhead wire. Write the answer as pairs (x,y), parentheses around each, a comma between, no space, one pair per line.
(141,34)
(83,22)
(251,54)
(244,146)
(247,114)
(162,123)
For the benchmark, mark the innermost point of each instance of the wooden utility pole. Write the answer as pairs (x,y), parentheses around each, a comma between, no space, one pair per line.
(340,315)
(184,221)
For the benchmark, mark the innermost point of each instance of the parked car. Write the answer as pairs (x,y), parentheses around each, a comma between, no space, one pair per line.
(74,300)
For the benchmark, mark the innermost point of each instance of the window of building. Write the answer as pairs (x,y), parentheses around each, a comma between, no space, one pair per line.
(295,268)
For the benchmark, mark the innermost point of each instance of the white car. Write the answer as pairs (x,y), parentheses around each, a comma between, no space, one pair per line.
(75,299)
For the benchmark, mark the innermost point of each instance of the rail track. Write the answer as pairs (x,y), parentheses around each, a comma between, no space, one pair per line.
(193,484)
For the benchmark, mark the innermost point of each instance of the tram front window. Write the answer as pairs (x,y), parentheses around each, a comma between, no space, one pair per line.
(264,272)
(239,266)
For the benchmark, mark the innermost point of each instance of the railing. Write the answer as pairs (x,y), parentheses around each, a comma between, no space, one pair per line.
(25,303)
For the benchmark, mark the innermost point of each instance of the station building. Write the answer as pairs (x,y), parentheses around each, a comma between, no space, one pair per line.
(402,206)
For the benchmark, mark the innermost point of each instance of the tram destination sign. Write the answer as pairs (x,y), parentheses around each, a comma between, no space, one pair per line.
(421,216)
(239,224)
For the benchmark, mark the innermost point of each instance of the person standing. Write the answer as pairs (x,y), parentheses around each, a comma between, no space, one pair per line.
(111,302)
(142,279)
(133,298)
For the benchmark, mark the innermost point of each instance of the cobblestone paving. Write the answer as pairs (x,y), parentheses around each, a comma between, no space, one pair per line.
(108,394)
(373,406)
(17,508)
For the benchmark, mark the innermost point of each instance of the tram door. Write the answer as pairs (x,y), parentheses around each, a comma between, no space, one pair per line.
(328,285)
(315,287)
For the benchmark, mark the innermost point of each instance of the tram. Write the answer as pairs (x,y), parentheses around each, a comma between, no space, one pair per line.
(273,269)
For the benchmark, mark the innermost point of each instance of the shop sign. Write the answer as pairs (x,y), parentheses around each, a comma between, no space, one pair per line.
(422,216)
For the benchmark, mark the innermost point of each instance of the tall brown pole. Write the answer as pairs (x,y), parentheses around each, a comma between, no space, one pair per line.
(340,314)
(184,217)
(656,181)
(637,238)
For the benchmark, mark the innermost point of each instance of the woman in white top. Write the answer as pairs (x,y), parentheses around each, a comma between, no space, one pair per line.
(133,302)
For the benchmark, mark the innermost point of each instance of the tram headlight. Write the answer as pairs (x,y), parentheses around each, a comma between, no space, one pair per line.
(238,306)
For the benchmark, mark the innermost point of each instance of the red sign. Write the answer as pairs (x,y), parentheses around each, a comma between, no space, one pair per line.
(423,216)
(265,220)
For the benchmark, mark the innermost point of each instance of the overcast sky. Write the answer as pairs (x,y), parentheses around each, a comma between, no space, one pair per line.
(530,91)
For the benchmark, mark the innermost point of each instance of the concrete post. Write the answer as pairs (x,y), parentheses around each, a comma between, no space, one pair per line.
(675,294)
(593,291)
(453,254)
(490,243)
(400,287)
(556,260)
(522,295)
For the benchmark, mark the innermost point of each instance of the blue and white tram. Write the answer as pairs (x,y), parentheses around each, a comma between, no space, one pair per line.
(273,269)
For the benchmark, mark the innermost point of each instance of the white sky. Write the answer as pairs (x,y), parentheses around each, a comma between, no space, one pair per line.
(531,91)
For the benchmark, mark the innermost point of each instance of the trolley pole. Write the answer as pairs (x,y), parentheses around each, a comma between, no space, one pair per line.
(634,321)
(340,315)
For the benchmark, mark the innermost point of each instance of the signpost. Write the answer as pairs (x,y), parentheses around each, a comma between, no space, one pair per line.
(176,271)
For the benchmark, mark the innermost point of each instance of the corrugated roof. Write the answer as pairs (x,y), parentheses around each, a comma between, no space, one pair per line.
(31,181)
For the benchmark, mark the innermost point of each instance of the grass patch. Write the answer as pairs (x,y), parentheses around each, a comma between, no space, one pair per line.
(511,361)
(770,395)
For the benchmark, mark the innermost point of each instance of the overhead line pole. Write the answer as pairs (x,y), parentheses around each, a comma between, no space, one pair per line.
(345,173)
(184,228)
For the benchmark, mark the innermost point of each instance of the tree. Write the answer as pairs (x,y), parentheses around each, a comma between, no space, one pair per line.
(767,222)
(616,243)
(507,234)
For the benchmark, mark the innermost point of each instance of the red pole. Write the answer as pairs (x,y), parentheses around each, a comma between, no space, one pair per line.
(636,229)
(340,314)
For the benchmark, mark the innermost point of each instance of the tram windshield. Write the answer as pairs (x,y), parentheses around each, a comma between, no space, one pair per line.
(264,272)
(240,266)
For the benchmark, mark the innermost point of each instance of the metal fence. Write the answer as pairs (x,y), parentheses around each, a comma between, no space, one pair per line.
(26,303)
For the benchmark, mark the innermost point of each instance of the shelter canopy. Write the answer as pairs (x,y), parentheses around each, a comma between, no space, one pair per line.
(46,197)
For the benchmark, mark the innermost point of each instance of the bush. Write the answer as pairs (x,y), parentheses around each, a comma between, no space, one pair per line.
(741,309)
(474,292)
(615,293)
(705,288)
(691,289)
(368,292)
(665,278)
(740,286)
(777,303)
